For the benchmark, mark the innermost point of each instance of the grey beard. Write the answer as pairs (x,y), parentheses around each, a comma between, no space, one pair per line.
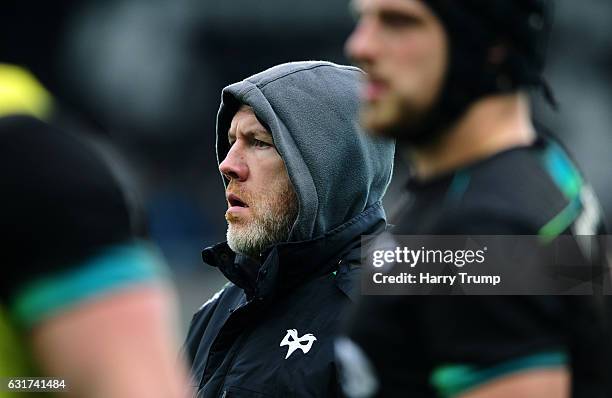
(252,239)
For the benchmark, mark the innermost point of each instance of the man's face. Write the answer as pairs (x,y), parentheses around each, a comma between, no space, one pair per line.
(402,46)
(262,204)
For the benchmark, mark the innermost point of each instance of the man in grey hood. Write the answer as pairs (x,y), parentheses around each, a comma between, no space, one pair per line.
(302,186)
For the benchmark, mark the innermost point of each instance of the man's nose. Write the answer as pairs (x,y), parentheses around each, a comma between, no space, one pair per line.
(361,44)
(234,166)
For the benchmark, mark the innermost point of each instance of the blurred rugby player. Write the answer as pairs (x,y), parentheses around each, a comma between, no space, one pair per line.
(83,296)
(449,80)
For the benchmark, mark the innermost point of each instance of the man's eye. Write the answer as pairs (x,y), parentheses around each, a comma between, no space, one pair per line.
(261,144)
(398,21)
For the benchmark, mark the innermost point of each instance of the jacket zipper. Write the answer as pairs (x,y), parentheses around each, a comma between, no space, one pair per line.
(242,339)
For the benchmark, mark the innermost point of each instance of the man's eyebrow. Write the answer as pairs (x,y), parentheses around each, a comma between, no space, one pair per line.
(258,131)
(251,133)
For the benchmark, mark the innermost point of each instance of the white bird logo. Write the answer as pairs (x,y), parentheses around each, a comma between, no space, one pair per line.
(304,343)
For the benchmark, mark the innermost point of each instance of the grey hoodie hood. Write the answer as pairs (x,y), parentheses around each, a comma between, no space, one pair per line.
(311,110)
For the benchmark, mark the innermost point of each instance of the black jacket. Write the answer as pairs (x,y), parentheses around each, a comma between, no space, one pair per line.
(302,288)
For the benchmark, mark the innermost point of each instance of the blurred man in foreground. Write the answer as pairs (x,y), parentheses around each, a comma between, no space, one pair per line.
(302,186)
(448,79)
(83,296)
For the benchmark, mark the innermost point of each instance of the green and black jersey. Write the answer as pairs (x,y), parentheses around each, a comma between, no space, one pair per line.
(67,235)
(442,346)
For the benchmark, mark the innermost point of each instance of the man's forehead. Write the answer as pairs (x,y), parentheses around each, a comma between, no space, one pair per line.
(245,121)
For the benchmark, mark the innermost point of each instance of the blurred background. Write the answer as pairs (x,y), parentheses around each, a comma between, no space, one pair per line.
(143,79)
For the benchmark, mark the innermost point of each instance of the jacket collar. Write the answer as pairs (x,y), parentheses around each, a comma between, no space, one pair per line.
(287,265)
